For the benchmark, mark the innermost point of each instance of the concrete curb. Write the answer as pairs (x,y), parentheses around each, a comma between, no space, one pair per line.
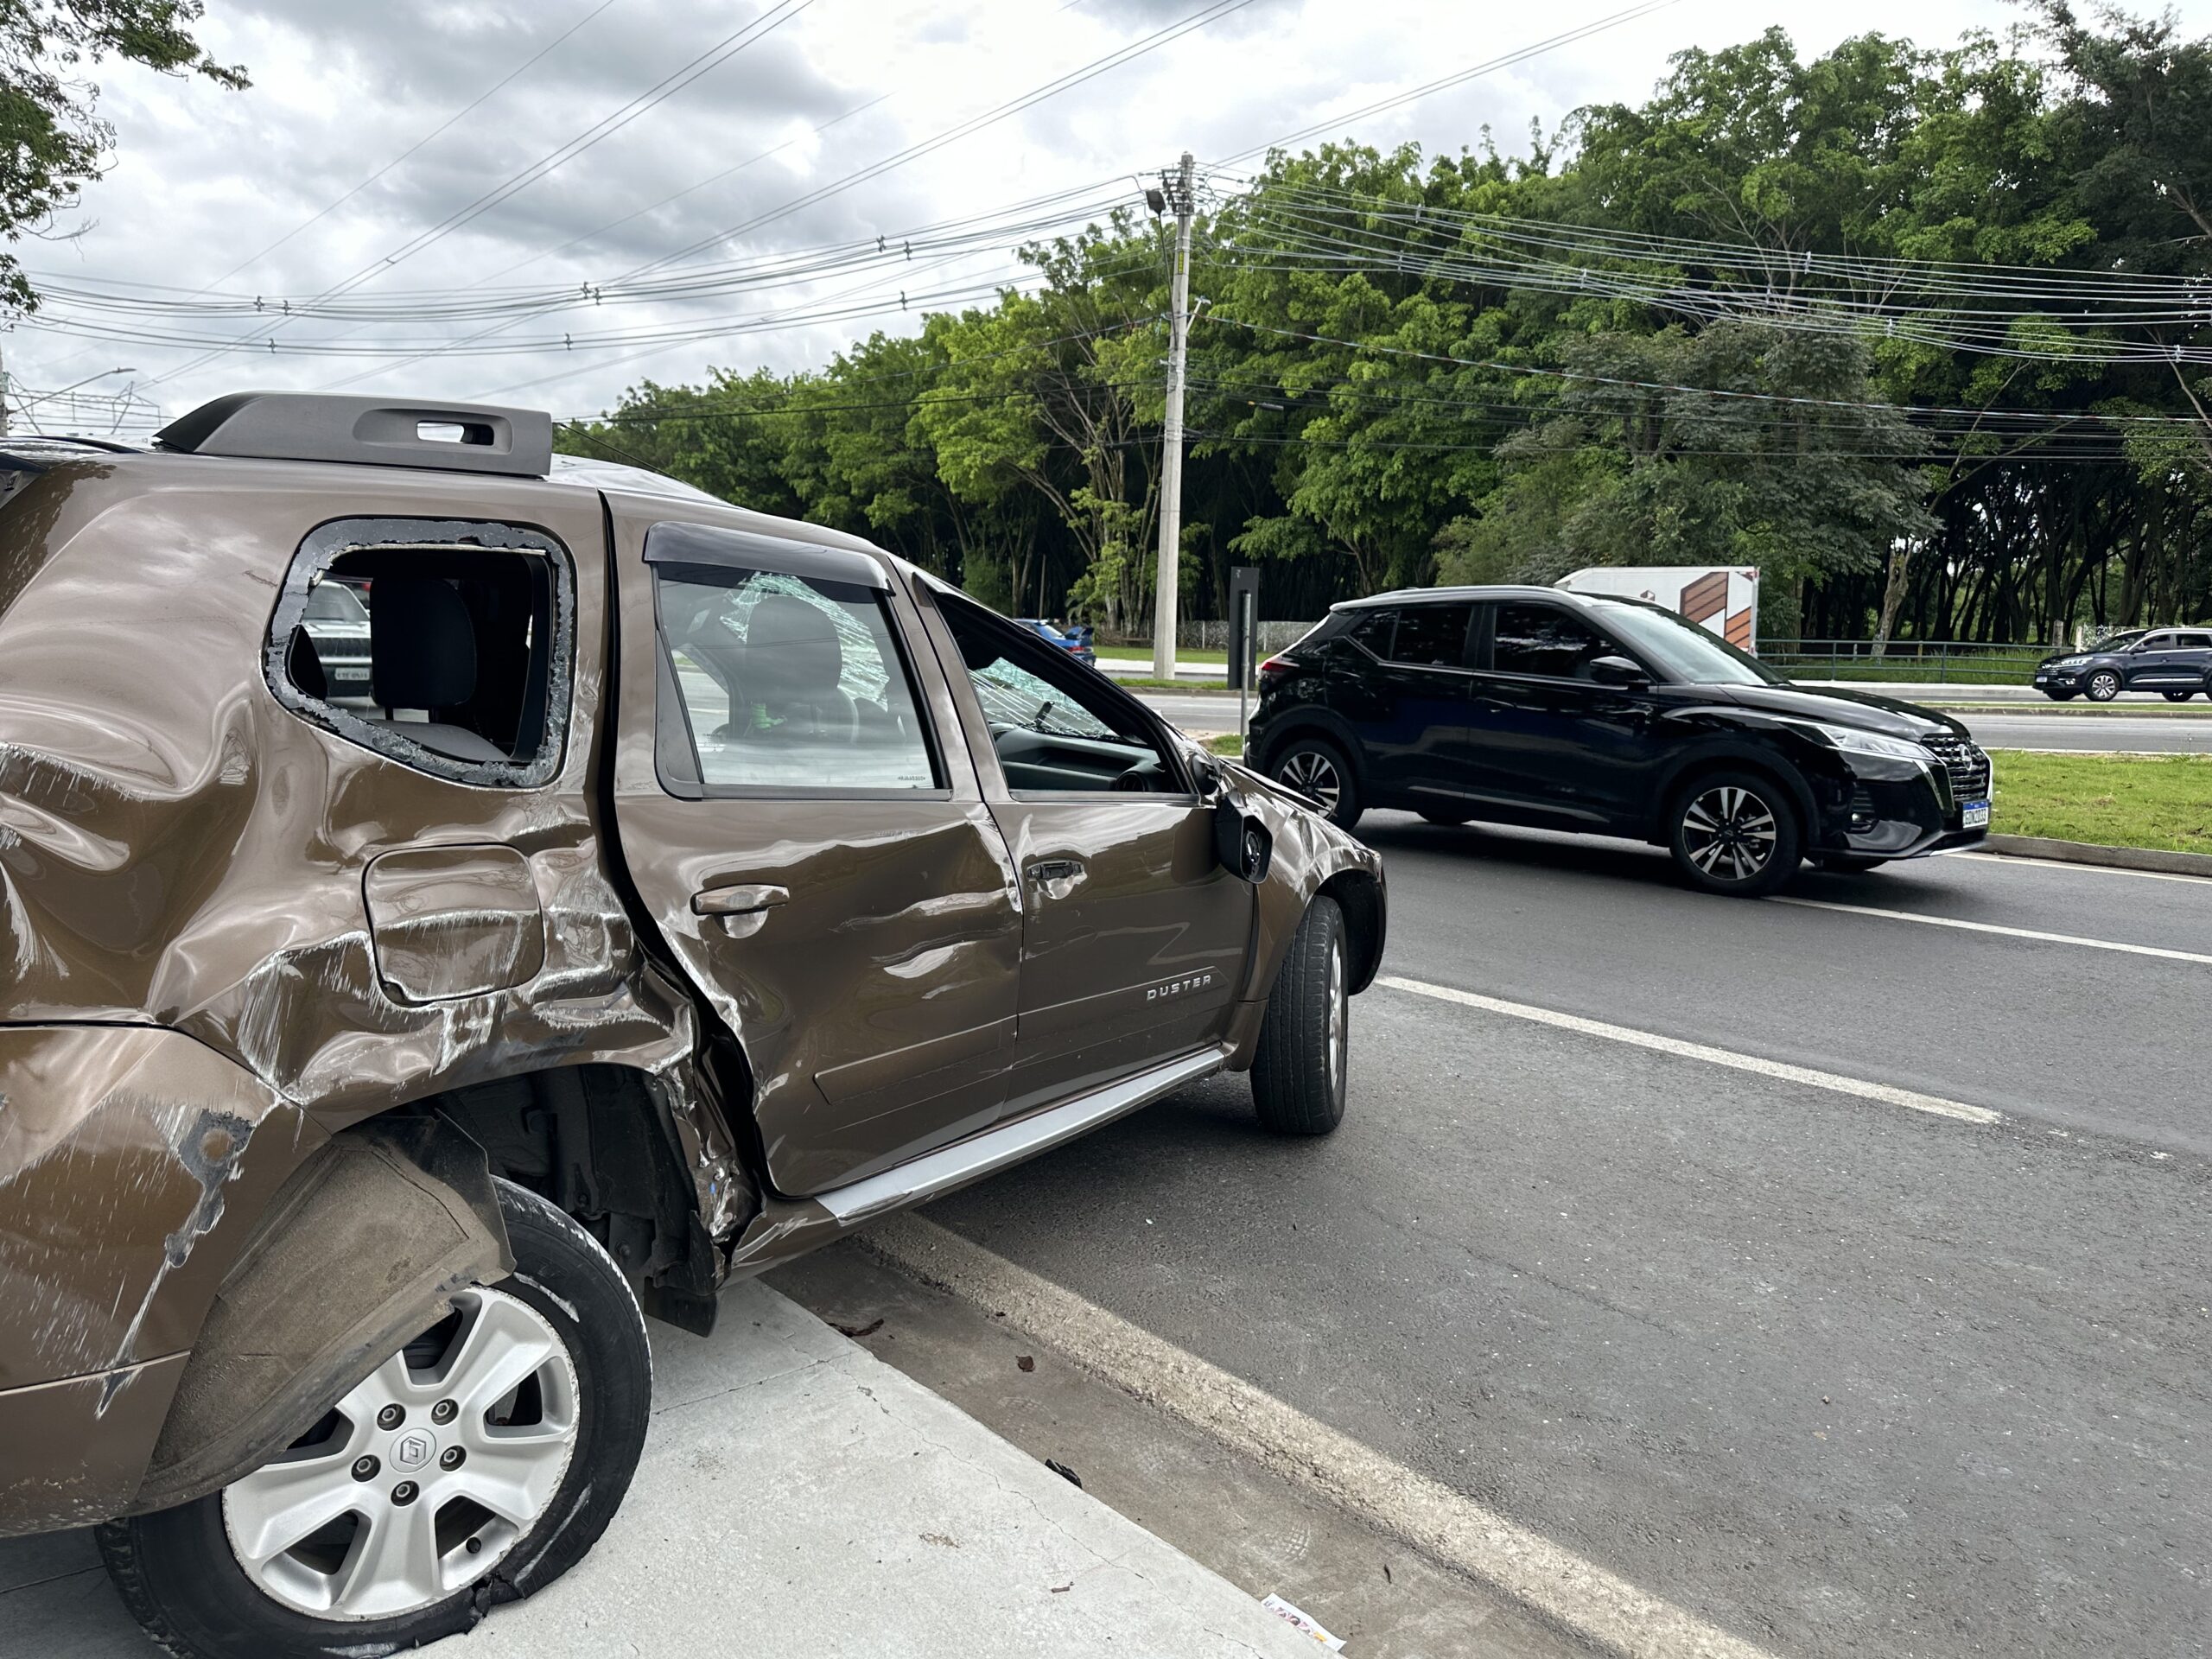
(2083,852)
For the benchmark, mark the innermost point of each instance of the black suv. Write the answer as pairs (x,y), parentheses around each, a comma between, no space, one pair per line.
(2175,661)
(1609,717)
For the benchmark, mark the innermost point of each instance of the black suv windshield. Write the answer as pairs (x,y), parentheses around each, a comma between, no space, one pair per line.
(2120,641)
(1683,649)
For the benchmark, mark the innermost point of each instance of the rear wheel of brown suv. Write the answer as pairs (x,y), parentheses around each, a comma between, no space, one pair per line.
(473,1466)
(1299,1076)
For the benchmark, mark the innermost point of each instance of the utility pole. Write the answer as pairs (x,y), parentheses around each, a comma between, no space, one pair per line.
(1178,189)
(3,402)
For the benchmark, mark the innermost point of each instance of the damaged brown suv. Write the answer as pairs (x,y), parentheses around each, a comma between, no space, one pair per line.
(679,888)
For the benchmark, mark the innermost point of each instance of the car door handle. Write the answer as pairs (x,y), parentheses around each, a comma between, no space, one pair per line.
(736,901)
(1056,875)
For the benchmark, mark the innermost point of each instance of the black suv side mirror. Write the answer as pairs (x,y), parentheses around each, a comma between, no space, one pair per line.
(1617,670)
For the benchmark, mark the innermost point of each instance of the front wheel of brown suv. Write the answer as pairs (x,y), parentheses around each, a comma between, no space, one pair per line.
(475,1466)
(1734,833)
(1299,1076)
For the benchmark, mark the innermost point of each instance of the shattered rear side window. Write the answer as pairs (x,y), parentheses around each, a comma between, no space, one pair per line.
(446,646)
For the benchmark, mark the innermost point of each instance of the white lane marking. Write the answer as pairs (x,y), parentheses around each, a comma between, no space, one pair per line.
(1991,927)
(1584,1597)
(2069,864)
(1782,1070)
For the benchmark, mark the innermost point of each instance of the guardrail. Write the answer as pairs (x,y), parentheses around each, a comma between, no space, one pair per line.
(1211,636)
(1934,662)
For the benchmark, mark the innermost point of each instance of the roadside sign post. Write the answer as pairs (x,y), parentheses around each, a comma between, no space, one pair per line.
(1243,636)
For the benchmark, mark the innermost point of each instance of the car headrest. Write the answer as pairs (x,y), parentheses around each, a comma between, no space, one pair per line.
(791,652)
(303,665)
(422,643)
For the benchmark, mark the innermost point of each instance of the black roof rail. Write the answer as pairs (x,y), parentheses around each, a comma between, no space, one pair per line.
(378,431)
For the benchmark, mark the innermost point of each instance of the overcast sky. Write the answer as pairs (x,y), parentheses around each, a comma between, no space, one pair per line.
(204,179)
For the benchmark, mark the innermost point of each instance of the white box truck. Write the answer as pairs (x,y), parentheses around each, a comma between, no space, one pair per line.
(1724,597)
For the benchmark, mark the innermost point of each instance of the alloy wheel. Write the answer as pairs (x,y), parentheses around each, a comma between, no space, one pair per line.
(2104,686)
(1311,772)
(1729,833)
(423,1476)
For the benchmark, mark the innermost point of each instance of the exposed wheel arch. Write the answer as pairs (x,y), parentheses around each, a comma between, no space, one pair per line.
(1660,808)
(602,1142)
(1311,722)
(1359,896)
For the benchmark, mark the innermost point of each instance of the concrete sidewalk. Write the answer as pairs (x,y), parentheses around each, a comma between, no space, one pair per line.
(797,1496)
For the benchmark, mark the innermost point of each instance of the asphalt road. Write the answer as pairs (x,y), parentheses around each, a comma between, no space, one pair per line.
(2191,733)
(1843,1375)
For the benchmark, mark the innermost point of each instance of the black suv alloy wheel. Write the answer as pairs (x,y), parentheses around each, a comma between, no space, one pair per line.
(1733,833)
(2104,685)
(1318,771)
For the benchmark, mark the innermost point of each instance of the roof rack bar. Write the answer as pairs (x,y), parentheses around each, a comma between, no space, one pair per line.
(376,431)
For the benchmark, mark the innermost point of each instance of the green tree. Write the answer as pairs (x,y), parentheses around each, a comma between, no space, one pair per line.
(1744,444)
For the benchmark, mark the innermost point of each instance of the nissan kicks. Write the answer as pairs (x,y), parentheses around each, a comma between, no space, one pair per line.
(2176,661)
(680,888)
(1581,712)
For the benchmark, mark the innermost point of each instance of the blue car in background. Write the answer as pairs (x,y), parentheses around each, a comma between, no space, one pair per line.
(1074,646)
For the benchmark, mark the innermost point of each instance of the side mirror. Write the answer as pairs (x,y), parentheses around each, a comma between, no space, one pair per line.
(1241,844)
(1617,670)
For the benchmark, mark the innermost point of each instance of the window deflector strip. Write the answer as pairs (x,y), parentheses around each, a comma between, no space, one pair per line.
(673,542)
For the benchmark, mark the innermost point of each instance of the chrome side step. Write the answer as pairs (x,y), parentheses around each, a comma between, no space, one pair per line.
(788,1227)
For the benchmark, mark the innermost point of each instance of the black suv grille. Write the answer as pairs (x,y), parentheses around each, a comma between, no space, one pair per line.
(1966,765)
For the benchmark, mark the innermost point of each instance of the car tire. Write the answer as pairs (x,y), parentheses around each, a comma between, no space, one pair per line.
(199,1592)
(2062,696)
(1848,864)
(1449,820)
(2179,696)
(1318,769)
(1299,1075)
(2104,685)
(1733,833)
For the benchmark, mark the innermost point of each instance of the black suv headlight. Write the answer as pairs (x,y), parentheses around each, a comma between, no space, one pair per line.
(1853,741)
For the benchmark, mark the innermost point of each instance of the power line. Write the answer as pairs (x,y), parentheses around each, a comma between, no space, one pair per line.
(1301,227)
(1115,60)
(1217,317)
(332,206)
(444,126)
(716,55)
(1075,78)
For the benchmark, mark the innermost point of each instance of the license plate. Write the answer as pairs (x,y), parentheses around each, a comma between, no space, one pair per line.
(1974,815)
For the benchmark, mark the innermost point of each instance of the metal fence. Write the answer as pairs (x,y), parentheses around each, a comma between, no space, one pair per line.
(1934,662)
(1213,636)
